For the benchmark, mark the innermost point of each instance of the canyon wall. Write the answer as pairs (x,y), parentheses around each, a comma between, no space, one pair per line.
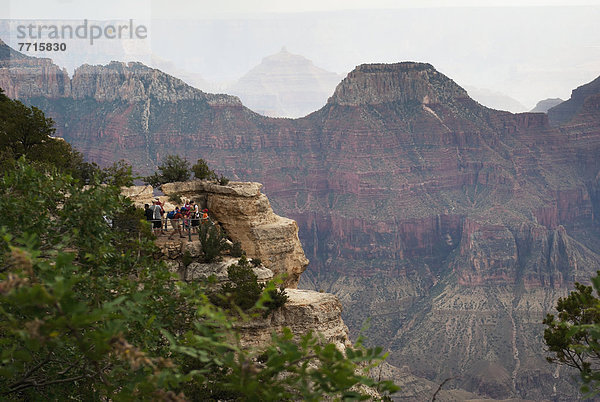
(418,207)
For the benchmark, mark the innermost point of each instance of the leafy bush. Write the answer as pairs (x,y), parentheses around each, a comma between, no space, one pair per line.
(212,242)
(243,289)
(173,168)
(118,174)
(27,132)
(223,181)
(276,299)
(256,262)
(236,249)
(202,171)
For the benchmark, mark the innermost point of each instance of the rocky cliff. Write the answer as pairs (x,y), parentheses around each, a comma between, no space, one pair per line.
(565,111)
(246,216)
(418,207)
(24,77)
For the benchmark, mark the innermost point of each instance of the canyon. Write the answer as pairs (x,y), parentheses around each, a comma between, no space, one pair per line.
(449,227)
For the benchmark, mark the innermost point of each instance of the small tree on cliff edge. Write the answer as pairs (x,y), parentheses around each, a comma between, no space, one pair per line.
(173,168)
(574,336)
(202,171)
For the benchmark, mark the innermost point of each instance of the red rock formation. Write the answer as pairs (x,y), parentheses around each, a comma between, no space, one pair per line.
(375,173)
(26,77)
(399,179)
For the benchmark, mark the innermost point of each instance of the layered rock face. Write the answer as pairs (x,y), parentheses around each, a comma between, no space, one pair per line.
(23,77)
(373,84)
(305,311)
(134,82)
(453,226)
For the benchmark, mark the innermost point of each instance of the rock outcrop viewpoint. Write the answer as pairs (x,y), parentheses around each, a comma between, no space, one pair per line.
(246,216)
(454,227)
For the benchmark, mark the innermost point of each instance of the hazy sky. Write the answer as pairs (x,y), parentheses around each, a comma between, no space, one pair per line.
(529,50)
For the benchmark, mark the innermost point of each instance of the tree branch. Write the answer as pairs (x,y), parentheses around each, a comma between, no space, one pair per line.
(30,384)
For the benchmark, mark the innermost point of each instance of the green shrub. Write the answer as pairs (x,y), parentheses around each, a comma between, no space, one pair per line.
(243,289)
(223,181)
(187,259)
(236,250)
(256,262)
(212,242)
(26,132)
(202,171)
(173,168)
(118,174)
(276,299)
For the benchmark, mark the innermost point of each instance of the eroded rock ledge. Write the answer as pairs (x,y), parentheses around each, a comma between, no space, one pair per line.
(305,311)
(246,215)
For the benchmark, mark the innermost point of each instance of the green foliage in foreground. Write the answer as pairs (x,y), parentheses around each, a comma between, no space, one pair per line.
(87,313)
(574,336)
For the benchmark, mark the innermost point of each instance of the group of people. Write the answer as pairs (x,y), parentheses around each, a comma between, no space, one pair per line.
(186,217)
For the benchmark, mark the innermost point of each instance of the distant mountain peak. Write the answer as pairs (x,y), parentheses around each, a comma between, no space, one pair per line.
(404,82)
(544,105)
(283,59)
(285,84)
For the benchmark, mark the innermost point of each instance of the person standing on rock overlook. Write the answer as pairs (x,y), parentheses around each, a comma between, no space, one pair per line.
(175,218)
(148,213)
(195,216)
(156,217)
